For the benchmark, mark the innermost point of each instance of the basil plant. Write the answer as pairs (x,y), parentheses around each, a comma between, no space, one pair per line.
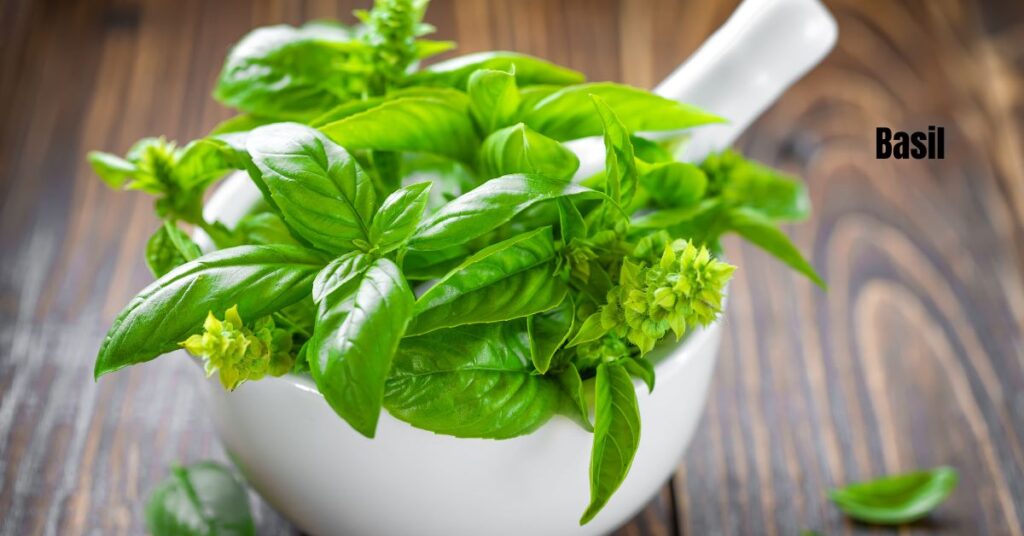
(424,245)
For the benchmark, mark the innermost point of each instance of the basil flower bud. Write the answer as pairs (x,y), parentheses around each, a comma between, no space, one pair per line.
(238,353)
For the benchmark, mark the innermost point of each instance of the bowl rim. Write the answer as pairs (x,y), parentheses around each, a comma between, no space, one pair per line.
(236,195)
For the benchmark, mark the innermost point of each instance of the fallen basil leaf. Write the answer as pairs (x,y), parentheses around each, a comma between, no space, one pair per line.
(203,499)
(895,500)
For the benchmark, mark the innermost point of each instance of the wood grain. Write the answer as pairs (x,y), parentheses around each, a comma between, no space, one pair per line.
(913,358)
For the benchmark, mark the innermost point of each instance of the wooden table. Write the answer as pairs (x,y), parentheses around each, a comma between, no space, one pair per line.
(913,358)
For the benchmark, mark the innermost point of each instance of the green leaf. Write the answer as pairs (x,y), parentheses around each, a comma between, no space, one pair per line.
(616,435)
(471,381)
(591,330)
(619,163)
(742,182)
(340,272)
(518,149)
(319,189)
(427,265)
(895,500)
(346,109)
(398,216)
(510,279)
(426,48)
(240,123)
(357,331)
(529,70)
(201,162)
(486,207)
(568,114)
(673,184)
(264,228)
(202,499)
(259,279)
(291,73)
(763,233)
(640,368)
(418,124)
(113,169)
(649,151)
(548,331)
(572,386)
(494,98)
(168,248)
(571,223)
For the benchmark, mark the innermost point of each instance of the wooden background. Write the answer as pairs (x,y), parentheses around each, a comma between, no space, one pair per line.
(914,357)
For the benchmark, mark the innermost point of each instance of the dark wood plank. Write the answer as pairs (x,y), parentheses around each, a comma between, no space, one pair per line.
(912,359)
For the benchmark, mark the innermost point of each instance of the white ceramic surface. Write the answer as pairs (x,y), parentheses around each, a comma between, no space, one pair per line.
(329,480)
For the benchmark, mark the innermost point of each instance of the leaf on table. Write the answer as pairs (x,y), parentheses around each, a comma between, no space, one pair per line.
(202,499)
(895,500)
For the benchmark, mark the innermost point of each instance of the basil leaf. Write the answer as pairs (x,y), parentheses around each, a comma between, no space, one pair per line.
(113,169)
(258,279)
(649,151)
(426,48)
(202,499)
(518,149)
(339,273)
(426,265)
(571,222)
(895,500)
(201,162)
(346,109)
(572,386)
(470,381)
(548,331)
(240,123)
(494,98)
(620,166)
(673,184)
(167,249)
(529,70)
(418,124)
(763,233)
(510,279)
(398,216)
(746,183)
(264,228)
(320,191)
(568,114)
(357,331)
(487,206)
(591,330)
(640,368)
(616,434)
(289,73)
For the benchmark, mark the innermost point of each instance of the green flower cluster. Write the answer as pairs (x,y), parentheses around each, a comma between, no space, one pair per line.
(683,290)
(238,353)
